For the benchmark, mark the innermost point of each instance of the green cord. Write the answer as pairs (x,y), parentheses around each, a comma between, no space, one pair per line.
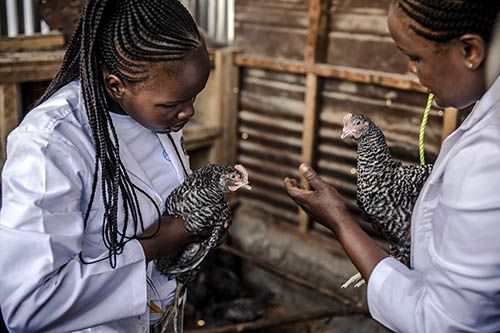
(422,128)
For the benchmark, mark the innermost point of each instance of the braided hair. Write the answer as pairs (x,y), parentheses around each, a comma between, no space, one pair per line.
(444,20)
(123,36)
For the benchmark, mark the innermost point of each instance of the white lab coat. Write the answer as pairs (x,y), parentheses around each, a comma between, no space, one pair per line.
(46,186)
(454,285)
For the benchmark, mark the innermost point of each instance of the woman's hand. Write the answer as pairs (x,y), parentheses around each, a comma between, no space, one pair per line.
(323,203)
(326,206)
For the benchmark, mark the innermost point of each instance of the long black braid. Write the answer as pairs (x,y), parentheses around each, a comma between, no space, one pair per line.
(124,36)
(444,20)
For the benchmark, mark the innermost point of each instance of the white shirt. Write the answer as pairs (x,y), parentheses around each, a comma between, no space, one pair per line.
(454,285)
(46,185)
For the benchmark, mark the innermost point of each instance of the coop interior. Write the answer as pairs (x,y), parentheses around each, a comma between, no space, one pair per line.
(284,74)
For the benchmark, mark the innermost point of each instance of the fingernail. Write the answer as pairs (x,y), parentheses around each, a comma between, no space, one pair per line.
(303,167)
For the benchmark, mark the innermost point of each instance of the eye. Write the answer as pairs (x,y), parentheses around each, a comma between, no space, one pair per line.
(169,107)
(414,58)
(358,122)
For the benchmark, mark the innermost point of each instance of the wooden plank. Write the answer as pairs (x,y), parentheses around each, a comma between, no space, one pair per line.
(266,324)
(309,136)
(391,80)
(29,66)
(315,52)
(345,300)
(36,41)
(227,105)
(9,117)
(200,136)
(450,116)
(317,37)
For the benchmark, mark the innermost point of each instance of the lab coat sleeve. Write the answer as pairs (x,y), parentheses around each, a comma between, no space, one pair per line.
(43,285)
(460,290)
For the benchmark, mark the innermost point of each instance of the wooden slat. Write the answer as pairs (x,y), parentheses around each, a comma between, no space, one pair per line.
(227,100)
(9,117)
(309,136)
(391,80)
(317,37)
(29,66)
(36,41)
(315,52)
(199,136)
(449,122)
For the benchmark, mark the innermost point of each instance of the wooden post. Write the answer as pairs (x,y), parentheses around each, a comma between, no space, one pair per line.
(9,115)
(450,116)
(227,104)
(317,36)
(315,51)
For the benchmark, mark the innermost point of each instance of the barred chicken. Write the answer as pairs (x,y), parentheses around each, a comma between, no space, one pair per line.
(387,190)
(199,201)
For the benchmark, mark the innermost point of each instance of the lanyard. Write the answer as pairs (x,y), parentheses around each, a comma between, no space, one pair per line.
(178,155)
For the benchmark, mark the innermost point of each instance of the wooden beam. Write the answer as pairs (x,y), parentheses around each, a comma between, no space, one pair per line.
(280,321)
(227,103)
(32,66)
(390,80)
(9,115)
(346,301)
(317,37)
(450,116)
(315,51)
(309,136)
(36,41)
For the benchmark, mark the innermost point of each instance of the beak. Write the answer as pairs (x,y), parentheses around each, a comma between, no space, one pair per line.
(247,186)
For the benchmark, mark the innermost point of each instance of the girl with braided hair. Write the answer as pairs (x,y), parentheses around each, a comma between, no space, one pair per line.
(89,170)
(453,283)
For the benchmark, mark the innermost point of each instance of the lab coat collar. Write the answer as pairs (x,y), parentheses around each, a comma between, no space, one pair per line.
(170,150)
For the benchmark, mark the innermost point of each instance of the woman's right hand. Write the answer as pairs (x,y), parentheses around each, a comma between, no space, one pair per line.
(323,203)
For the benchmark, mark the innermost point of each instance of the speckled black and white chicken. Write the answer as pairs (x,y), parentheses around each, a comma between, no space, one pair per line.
(386,189)
(200,202)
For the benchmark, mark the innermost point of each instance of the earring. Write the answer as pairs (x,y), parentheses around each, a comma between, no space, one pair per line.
(470,65)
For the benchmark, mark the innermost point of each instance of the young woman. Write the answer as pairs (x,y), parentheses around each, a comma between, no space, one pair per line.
(90,167)
(454,282)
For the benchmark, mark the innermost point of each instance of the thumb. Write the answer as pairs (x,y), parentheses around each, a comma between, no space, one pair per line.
(312,177)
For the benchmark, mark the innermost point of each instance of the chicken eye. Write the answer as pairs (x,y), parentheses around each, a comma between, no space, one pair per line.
(357,123)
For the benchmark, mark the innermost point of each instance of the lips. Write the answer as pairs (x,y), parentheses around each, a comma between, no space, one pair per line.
(177,127)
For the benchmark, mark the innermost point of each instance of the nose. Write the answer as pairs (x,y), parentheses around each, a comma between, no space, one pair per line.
(412,67)
(186,112)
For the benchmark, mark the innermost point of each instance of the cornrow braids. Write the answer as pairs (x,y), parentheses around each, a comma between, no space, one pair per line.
(123,36)
(444,20)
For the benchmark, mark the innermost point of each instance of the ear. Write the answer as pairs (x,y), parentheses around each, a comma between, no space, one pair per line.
(114,85)
(473,50)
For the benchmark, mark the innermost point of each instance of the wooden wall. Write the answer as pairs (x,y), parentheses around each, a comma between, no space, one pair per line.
(303,66)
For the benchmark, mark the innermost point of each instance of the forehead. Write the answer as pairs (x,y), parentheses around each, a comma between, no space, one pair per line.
(177,80)
(404,36)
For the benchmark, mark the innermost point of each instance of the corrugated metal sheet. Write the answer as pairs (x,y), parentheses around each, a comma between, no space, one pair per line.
(359,37)
(270,127)
(272,104)
(275,28)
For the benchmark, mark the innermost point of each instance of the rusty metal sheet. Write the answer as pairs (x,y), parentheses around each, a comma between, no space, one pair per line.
(272,28)
(270,131)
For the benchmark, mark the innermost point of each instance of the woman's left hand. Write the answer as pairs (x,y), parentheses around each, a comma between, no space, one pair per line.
(323,203)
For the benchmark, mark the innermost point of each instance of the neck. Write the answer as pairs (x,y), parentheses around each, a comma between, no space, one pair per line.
(373,151)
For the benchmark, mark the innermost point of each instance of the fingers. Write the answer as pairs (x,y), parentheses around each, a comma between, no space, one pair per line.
(312,177)
(293,188)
